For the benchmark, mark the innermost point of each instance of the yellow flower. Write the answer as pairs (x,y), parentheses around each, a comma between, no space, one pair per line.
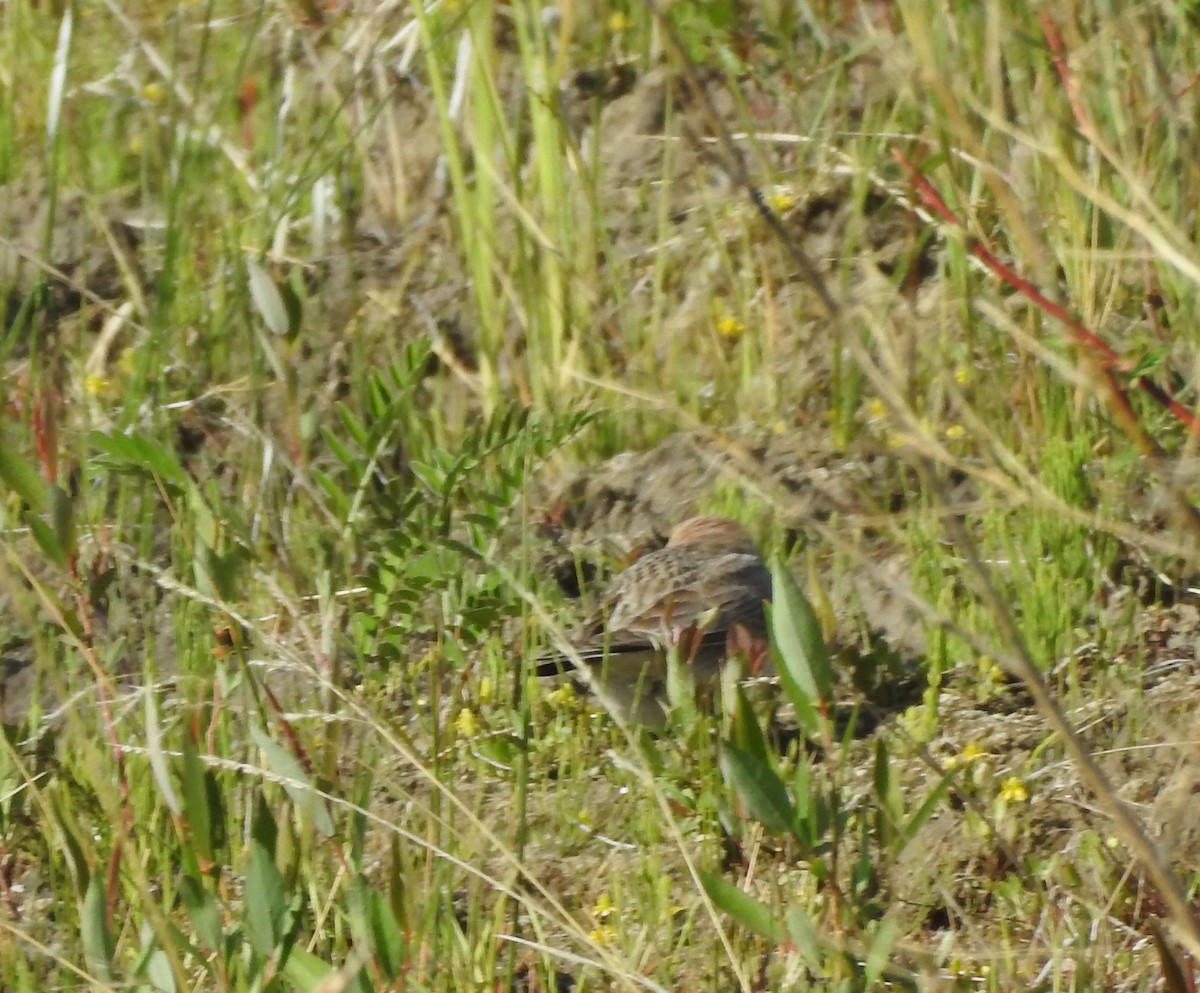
(963,374)
(972,752)
(152,93)
(618,21)
(487,689)
(604,907)
(876,409)
(96,386)
(1012,790)
(730,327)
(990,670)
(466,723)
(782,200)
(563,697)
(605,934)
(955,431)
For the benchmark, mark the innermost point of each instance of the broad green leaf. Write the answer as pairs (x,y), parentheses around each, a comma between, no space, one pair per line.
(746,732)
(158,971)
(760,788)
(202,909)
(742,907)
(197,812)
(23,478)
(268,301)
(804,937)
(879,951)
(376,928)
(887,796)
(158,759)
(296,781)
(803,659)
(97,939)
(306,972)
(47,540)
(266,902)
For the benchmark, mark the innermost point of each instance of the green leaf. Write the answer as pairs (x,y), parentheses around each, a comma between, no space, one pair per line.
(375,927)
(196,810)
(62,518)
(202,909)
(743,908)
(879,951)
(760,788)
(746,733)
(268,301)
(22,477)
(887,796)
(923,813)
(804,667)
(46,540)
(158,971)
(158,759)
(136,452)
(306,972)
(95,934)
(804,937)
(296,782)
(266,904)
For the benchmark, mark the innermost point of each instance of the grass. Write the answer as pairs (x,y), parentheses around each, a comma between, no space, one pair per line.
(310,315)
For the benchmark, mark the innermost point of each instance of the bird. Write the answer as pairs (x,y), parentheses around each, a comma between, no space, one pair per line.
(702,597)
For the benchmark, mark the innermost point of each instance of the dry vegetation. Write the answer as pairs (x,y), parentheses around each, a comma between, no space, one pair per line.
(348,347)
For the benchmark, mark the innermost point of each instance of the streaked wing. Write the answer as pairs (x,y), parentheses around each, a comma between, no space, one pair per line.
(677,588)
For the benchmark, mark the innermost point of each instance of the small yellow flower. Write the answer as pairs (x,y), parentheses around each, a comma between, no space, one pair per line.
(972,752)
(618,21)
(487,689)
(1012,790)
(963,374)
(96,386)
(605,934)
(604,907)
(730,327)
(955,431)
(466,723)
(563,697)
(991,670)
(876,409)
(152,93)
(585,820)
(1112,841)
(782,200)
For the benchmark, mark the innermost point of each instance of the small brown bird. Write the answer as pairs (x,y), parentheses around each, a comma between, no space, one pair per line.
(701,596)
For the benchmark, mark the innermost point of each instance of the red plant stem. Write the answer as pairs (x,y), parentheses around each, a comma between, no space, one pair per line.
(1059,57)
(1107,358)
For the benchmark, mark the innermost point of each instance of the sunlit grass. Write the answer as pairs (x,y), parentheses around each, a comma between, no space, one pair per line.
(272,544)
